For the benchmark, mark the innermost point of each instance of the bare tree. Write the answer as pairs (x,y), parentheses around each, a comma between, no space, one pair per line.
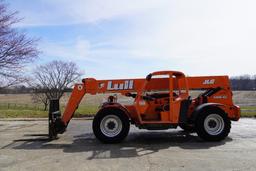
(39,97)
(54,78)
(16,48)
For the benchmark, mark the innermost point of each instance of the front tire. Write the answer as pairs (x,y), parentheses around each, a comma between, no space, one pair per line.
(213,125)
(111,125)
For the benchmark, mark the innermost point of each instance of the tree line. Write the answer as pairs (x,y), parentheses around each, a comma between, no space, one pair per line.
(244,82)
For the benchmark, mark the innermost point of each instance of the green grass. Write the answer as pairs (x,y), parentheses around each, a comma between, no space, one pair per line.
(19,111)
(248,111)
(248,107)
(15,113)
(248,114)
(86,110)
(36,111)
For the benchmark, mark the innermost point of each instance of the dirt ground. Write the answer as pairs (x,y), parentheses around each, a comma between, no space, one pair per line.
(24,146)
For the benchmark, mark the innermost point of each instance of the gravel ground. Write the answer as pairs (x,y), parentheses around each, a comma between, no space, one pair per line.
(24,146)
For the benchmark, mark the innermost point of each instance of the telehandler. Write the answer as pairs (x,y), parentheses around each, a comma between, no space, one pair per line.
(161,101)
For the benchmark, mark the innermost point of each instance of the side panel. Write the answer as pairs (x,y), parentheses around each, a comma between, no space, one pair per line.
(133,85)
(206,82)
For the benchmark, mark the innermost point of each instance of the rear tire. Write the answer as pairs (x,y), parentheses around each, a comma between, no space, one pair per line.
(213,125)
(111,125)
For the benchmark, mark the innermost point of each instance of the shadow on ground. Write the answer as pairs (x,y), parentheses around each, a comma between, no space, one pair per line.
(136,144)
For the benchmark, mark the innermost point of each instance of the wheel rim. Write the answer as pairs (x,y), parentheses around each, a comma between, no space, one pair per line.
(111,125)
(214,124)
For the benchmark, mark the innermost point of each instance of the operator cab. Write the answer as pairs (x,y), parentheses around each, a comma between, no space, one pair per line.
(161,95)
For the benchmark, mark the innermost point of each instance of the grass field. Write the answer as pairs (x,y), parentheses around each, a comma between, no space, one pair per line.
(38,112)
(20,105)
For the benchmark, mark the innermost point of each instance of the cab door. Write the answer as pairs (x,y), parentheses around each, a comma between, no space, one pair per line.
(179,97)
(152,102)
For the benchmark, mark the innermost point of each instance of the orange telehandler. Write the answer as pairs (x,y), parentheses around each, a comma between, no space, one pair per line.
(161,101)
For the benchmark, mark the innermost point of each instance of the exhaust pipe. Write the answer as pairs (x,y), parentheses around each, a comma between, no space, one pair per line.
(55,124)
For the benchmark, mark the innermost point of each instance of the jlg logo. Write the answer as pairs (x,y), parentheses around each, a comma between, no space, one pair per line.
(208,82)
(127,85)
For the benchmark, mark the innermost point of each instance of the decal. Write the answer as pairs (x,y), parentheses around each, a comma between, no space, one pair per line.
(209,82)
(220,97)
(127,85)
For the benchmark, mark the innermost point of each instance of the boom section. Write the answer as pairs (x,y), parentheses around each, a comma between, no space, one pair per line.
(123,86)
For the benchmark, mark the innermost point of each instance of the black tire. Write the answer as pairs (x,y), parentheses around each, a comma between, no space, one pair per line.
(204,124)
(187,128)
(117,114)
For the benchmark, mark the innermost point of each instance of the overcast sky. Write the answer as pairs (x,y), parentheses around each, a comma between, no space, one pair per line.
(130,38)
